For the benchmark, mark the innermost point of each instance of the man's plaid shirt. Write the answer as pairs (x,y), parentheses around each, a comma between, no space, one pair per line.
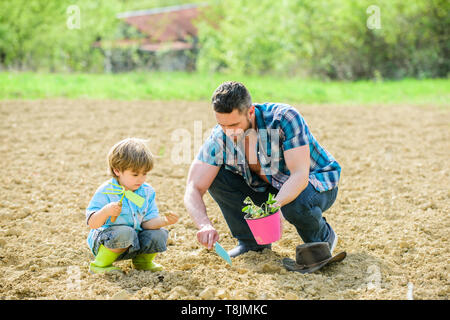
(279,126)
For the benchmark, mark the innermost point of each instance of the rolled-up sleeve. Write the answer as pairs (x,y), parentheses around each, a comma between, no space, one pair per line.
(98,201)
(295,130)
(211,152)
(152,209)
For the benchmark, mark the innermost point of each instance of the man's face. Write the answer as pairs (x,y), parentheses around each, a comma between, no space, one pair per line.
(235,124)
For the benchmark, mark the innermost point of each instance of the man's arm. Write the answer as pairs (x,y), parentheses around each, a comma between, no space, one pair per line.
(201,176)
(298,162)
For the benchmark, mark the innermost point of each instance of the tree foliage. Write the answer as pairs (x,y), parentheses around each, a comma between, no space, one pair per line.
(320,38)
(34,34)
(327,39)
(39,34)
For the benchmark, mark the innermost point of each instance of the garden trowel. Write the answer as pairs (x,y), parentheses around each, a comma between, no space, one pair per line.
(222,252)
(130,195)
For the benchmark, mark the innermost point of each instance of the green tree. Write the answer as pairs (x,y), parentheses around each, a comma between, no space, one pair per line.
(34,33)
(327,39)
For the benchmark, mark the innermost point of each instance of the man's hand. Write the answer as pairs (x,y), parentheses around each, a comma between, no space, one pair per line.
(277,204)
(207,236)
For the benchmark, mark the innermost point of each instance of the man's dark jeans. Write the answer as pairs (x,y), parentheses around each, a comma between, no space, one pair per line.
(305,212)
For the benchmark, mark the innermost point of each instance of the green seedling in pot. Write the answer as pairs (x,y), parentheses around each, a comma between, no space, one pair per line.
(130,195)
(265,210)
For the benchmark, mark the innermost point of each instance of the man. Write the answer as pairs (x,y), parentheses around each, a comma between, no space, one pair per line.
(257,149)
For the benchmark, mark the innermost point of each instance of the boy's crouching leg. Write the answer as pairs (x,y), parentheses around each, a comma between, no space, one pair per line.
(120,237)
(111,245)
(152,242)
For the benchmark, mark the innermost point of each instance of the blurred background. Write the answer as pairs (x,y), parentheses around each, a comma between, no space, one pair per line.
(207,41)
(370,77)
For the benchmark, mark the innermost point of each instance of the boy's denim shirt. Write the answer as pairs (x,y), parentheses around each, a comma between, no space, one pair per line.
(131,215)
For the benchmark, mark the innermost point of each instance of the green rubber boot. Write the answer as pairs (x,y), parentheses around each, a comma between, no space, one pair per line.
(103,261)
(145,261)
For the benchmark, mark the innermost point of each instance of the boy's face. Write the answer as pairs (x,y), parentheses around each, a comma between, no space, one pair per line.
(130,180)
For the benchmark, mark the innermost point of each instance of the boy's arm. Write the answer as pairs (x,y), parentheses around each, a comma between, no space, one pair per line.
(97,219)
(159,222)
(152,220)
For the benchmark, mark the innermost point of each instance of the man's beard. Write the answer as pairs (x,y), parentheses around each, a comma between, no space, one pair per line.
(239,138)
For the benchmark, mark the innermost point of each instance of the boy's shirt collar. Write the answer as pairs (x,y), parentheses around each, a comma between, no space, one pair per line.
(140,191)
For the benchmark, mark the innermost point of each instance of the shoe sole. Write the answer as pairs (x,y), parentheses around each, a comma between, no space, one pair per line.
(234,253)
(153,268)
(97,270)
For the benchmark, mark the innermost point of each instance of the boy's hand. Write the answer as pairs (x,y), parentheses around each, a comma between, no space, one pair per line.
(171,218)
(114,209)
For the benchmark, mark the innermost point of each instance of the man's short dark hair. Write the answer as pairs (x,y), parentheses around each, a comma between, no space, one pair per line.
(231,95)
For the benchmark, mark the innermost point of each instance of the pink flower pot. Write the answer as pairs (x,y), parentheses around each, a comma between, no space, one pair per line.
(267,229)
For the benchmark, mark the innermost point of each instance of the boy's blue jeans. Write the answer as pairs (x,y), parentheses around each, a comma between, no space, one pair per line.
(305,212)
(137,242)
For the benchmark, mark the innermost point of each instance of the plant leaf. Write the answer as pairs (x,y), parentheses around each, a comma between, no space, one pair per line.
(248,200)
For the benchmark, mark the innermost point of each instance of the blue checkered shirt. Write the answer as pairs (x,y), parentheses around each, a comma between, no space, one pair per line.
(279,127)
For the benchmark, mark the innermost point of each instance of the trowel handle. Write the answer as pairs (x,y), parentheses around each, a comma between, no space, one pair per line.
(113,219)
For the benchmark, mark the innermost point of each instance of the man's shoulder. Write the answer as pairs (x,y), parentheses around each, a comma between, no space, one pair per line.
(272,111)
(276,108)
(216,136)
(217,131)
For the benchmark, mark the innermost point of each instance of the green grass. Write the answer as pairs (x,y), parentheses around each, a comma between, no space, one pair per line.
(196,86)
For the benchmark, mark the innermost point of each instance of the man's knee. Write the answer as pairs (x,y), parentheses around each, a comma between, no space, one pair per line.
(304,217)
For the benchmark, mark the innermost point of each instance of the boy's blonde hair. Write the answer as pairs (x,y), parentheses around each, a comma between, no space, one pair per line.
(130,154)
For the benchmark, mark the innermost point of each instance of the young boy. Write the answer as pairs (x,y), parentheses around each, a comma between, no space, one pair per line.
(122,230)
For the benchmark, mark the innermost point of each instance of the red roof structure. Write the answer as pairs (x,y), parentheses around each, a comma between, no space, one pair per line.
(168,28)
